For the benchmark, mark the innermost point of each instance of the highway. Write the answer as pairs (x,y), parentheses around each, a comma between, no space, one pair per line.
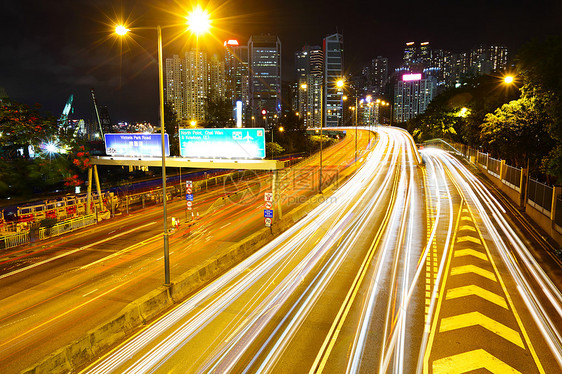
(405,269)
(409,265)
(55,291)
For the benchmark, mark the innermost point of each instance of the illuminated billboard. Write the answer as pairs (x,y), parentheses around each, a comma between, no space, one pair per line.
(136,145)
(223,143)
(411,77)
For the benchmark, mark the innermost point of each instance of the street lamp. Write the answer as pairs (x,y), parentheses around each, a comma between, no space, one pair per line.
(198,23)
(508,79)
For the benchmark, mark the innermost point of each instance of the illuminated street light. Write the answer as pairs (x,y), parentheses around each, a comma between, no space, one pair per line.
(339,83)
(508,79)
(199,21)
(193,123)
(121,30)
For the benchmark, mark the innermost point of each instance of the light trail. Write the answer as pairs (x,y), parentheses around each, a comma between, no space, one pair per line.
(492,214)
(220,294)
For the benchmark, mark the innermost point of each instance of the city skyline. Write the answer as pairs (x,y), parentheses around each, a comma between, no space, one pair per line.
(68,50)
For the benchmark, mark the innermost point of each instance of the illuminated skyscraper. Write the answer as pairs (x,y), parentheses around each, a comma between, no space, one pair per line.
(196,85)
(237,73)
(412,95)
(174,84)
(309,62)
(333,71)
(265,77)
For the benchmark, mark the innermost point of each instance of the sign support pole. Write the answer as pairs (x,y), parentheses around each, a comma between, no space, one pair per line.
(276,198)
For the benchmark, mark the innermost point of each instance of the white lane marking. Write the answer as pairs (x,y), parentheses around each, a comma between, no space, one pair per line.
(72,252)
(89,293)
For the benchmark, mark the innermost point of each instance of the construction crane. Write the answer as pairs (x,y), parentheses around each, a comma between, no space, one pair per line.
(97,111)
(66,111)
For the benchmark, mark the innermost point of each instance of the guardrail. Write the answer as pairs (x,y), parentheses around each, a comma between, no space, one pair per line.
(541,202)
(67,226)
(14,239)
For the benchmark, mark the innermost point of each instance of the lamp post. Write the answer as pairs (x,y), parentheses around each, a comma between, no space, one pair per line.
(198,22)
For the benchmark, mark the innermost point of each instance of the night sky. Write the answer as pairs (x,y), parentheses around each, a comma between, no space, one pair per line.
(51,49)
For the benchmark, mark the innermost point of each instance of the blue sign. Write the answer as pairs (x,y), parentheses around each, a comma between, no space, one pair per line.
(189,197)
(268,213)
(136,145)
(237,143)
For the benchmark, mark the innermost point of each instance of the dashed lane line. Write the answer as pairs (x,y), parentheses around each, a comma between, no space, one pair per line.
(72,252)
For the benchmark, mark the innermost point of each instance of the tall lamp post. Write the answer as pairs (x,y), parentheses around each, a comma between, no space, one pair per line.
(198,22)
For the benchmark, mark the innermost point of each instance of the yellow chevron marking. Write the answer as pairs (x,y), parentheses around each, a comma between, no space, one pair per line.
(470,252)
(467,227)
(477,318)
(469,361)
(455,293)
(473,269)
(471,239)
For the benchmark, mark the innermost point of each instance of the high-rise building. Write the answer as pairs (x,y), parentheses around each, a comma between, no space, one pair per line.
(196,85)
(174,84)
(217,78)
(265,78)
(486,59)
(333,71)
(309,62)
(191,81)
(237,76)
(412,95)
(376,76)
(409,53)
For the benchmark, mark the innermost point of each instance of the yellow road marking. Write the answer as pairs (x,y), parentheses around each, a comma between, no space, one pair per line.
(470,239)
(431,330)
(469,361)
(477,318)
(467,227)
(470,290)
(470,252)
(473,269)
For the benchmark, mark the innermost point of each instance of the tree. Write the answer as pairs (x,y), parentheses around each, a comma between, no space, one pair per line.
(446,118)
(22,126)
(23,129)
(218,112)
(539,64)
(273,149)
(293,138)
(171,126)
(518,131)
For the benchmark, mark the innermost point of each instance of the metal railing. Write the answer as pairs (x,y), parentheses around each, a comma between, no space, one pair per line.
(539,196)
(14,239)
(494,167)
(558,215)
(66,226)
(512,177)
(482,159)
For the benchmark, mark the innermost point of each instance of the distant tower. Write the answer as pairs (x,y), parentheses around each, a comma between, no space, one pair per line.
(265,77)
(409,53)
(309,62)
(196,85)
(412,95)
(175,85)
(237,75)
(333,71)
